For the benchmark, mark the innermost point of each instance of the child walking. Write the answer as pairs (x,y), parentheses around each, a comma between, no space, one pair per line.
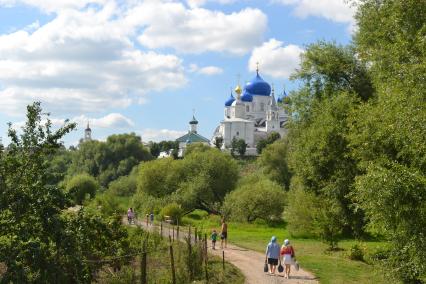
(214,239)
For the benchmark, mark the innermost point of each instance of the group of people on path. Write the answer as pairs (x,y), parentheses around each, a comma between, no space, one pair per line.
(223,236)
(276,255)
(131,217)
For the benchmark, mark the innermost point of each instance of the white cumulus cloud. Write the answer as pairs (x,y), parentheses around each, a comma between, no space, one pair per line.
(197,30)
(206,70)
(275,58)
(340,11)
(157,135)
(81,61)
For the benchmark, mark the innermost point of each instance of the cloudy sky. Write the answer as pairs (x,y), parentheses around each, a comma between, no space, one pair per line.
(144,65)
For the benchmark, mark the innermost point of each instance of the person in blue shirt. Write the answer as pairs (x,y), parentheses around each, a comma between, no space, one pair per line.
(272,254)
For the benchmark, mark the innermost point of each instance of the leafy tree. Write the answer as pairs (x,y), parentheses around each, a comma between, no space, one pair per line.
(40,242)
(271,138)
(123,186)
(238,145)
(274,162)
(154,149)
(108,160)
(174,211)
(257,199)
(161,177)
(81,186)
(218,142)
(209,176)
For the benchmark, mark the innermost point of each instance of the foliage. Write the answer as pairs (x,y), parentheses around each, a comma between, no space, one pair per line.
(201,180)
(239,146)
(218,142)
(274,162)
(356,253)
(161,177)
(164,146)
(271,138)
(123,186)
(300,211)
(107,161)
(80,187)
(174,211)
(40,241)
(256,198)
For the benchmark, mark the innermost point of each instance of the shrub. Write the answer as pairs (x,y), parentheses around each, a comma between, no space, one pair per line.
(123,186)
(82,186)
(263,199)
(300,211)
(174,211)
(356,253)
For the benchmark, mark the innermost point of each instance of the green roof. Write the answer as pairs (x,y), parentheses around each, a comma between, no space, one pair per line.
(192,137)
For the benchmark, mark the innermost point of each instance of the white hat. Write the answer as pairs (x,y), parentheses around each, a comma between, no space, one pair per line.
(286,242)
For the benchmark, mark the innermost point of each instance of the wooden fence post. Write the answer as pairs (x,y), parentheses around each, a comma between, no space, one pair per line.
(177,231)
(161,228)
(195,234)
(205,258)
(172,262)
(143,264)
(190,268)
(189,233)
(223,261)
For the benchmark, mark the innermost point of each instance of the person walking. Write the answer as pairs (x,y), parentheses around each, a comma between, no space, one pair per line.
(272,255)
(151,218)
(288,257)
(130,215)
(213,237)
(224,234)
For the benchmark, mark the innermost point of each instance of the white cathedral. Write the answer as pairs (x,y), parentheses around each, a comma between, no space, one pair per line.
(252,115)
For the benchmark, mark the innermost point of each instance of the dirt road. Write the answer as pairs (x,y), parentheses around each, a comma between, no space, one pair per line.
(250,263)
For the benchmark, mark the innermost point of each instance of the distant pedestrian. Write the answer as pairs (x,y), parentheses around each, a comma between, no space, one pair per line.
(213,237)
(224,234)
(130,215)
(272,254)
(151,218)
(288,256)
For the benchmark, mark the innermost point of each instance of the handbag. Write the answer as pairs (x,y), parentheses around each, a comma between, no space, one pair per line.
(280,268)
(265,267)
(296,266)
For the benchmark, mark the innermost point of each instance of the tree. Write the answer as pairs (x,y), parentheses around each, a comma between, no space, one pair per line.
(238,145)
(123,186)
(80,187)
(271,138)
(258,199)
(40,241)
(108,160)
(274,162)
(218,142)
(154,149)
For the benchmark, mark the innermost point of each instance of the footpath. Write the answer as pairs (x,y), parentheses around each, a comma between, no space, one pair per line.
(248,261)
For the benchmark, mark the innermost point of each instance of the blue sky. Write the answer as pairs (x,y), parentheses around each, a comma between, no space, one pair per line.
(143,66)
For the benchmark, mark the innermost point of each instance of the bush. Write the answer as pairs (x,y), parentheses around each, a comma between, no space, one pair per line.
(123,186)
(173,211)
(81,187)
(356,253)
(300,211)
(263,199)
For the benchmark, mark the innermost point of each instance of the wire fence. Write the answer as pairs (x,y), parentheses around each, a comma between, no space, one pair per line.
(167,254)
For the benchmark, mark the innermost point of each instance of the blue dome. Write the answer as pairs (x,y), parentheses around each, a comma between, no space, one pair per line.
(280,100)
(247,97)
(257,86)
(229,101)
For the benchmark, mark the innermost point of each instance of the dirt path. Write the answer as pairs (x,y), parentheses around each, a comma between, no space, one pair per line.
(249,262)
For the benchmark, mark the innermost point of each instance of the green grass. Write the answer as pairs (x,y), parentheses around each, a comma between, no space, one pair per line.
(329,267)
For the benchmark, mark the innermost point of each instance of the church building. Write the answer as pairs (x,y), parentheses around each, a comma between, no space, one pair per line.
(251,115)
(191,137)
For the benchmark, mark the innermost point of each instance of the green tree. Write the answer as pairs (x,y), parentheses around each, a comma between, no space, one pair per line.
(108,160)
(258,199)
(271,138)
(154,149)
(41,242)
(239,146)
(80,187)
(274,163)
(218,142)
(123,186)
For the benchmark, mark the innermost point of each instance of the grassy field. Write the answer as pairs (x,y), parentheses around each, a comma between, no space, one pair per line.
(329,267)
